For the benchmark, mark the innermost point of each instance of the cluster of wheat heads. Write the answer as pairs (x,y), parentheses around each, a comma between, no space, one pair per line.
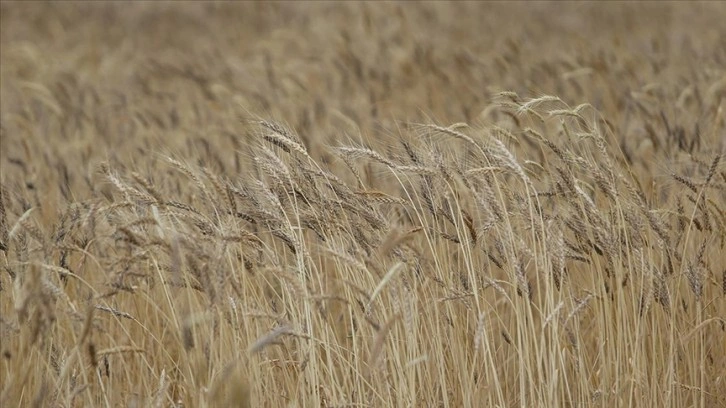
(518,263)
(546,255)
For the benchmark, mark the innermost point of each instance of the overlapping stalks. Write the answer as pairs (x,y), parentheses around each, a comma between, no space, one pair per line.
(545,254)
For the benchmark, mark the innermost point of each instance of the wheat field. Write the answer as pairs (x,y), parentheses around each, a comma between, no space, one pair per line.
(362,204)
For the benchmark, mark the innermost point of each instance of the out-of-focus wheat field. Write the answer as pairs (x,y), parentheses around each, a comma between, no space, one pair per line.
(362,204)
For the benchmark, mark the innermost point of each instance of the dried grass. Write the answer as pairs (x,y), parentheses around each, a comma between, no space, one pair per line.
(561,244)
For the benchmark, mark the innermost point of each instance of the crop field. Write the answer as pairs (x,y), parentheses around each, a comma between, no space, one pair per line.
(379,204)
